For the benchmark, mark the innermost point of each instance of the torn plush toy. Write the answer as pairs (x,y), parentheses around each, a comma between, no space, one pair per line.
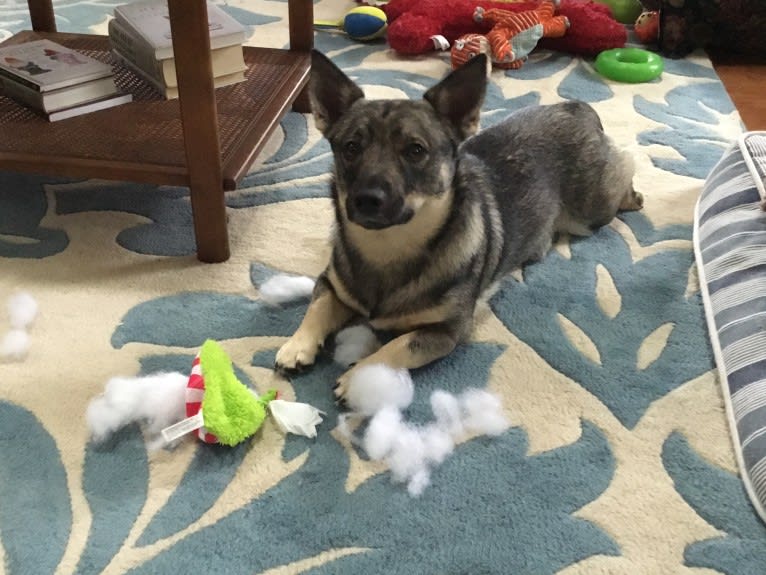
(219,407)
(211,403)
(228,412)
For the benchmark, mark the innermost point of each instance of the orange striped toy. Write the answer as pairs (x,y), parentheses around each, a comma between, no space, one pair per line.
(467,47)
(515,34)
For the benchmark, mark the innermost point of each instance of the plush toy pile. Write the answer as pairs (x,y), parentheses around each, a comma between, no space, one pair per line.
(422,26)
(513,35)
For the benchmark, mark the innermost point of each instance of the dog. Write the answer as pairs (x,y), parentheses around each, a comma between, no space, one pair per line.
(430,214)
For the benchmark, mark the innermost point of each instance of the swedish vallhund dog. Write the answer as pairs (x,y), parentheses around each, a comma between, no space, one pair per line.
(431,215)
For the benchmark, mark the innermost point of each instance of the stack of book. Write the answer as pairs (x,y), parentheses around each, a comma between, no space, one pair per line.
(140,37)
(57,82)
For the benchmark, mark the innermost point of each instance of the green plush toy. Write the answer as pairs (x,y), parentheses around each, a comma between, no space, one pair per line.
(219,407)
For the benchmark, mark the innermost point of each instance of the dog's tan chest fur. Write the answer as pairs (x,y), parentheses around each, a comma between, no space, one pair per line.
(401,308)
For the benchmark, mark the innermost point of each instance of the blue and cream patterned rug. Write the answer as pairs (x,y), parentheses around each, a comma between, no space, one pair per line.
(619,459)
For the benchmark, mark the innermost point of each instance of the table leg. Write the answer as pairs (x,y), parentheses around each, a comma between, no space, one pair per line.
(199,116)
(41,14)
(301,17)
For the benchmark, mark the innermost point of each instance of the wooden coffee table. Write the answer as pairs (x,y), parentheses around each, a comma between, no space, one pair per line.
(206,140)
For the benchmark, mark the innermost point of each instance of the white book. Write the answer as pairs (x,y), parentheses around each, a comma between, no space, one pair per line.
(224,61)
(88,107)
(150,19)
(57,99)
(44,65)
(171,92)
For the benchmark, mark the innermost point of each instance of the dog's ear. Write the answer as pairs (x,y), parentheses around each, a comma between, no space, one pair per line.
(460,95)
(331,92)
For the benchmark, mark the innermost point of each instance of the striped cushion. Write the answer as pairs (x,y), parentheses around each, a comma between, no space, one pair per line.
(730,245)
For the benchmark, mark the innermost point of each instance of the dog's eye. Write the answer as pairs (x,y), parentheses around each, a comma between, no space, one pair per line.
(415,152)
(351,150)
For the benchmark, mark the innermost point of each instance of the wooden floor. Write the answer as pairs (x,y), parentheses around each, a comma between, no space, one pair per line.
(746,83)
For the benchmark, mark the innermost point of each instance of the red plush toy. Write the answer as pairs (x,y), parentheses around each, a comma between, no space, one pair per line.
(420,26)
(591,29)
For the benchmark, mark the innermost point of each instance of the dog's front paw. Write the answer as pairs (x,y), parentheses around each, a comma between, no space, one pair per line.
(342,385)
(299,352)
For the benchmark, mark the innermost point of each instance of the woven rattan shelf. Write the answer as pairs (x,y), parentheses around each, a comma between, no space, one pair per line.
(143,140)
(207,140)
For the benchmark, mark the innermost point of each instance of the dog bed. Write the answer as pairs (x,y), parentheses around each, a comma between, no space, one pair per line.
(730,248)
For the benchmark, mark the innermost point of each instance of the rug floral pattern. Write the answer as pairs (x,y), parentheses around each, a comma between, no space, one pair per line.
(618,461)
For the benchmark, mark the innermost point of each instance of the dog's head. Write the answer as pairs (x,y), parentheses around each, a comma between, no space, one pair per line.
(394,157)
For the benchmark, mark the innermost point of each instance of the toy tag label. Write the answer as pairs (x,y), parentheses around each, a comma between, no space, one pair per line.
(183,427)
(440,42)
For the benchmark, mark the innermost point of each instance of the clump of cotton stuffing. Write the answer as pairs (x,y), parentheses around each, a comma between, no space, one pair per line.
(373,387)
(418,482)
(157,400)
(447,411)
(283,288)
(438,443)
(354,343)
(14,345)
(482,412)
(409,451)
(412,452)
(381,432)
(22,310)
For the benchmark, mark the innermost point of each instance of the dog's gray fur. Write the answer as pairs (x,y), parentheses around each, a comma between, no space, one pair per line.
(430,216)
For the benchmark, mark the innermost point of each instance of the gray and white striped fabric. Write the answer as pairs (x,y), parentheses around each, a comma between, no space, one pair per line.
(730,246)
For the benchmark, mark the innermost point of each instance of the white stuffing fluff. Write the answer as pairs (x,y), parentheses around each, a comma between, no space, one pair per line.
(281,289)
(483,412)
(409,451)
(381,433)
(22,310)
(354,343)
(418,482)
(373,387)
(412,452)
(159,400)
(14,345)
(408,454)
(446,408)
(438,444)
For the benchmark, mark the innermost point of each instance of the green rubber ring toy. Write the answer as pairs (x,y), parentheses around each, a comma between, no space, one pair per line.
(630,65)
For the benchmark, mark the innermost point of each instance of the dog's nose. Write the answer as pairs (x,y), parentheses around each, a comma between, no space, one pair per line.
(369,201)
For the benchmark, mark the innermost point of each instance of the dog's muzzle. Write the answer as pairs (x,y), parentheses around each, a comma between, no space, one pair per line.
(374,209)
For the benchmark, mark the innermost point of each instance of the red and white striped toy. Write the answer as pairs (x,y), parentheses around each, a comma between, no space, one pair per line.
(195,391)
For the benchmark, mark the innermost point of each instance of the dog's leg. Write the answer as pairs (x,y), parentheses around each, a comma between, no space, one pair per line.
(325,315)
(409,351)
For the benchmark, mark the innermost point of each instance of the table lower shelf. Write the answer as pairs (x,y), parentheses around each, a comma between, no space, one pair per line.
(143,141)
